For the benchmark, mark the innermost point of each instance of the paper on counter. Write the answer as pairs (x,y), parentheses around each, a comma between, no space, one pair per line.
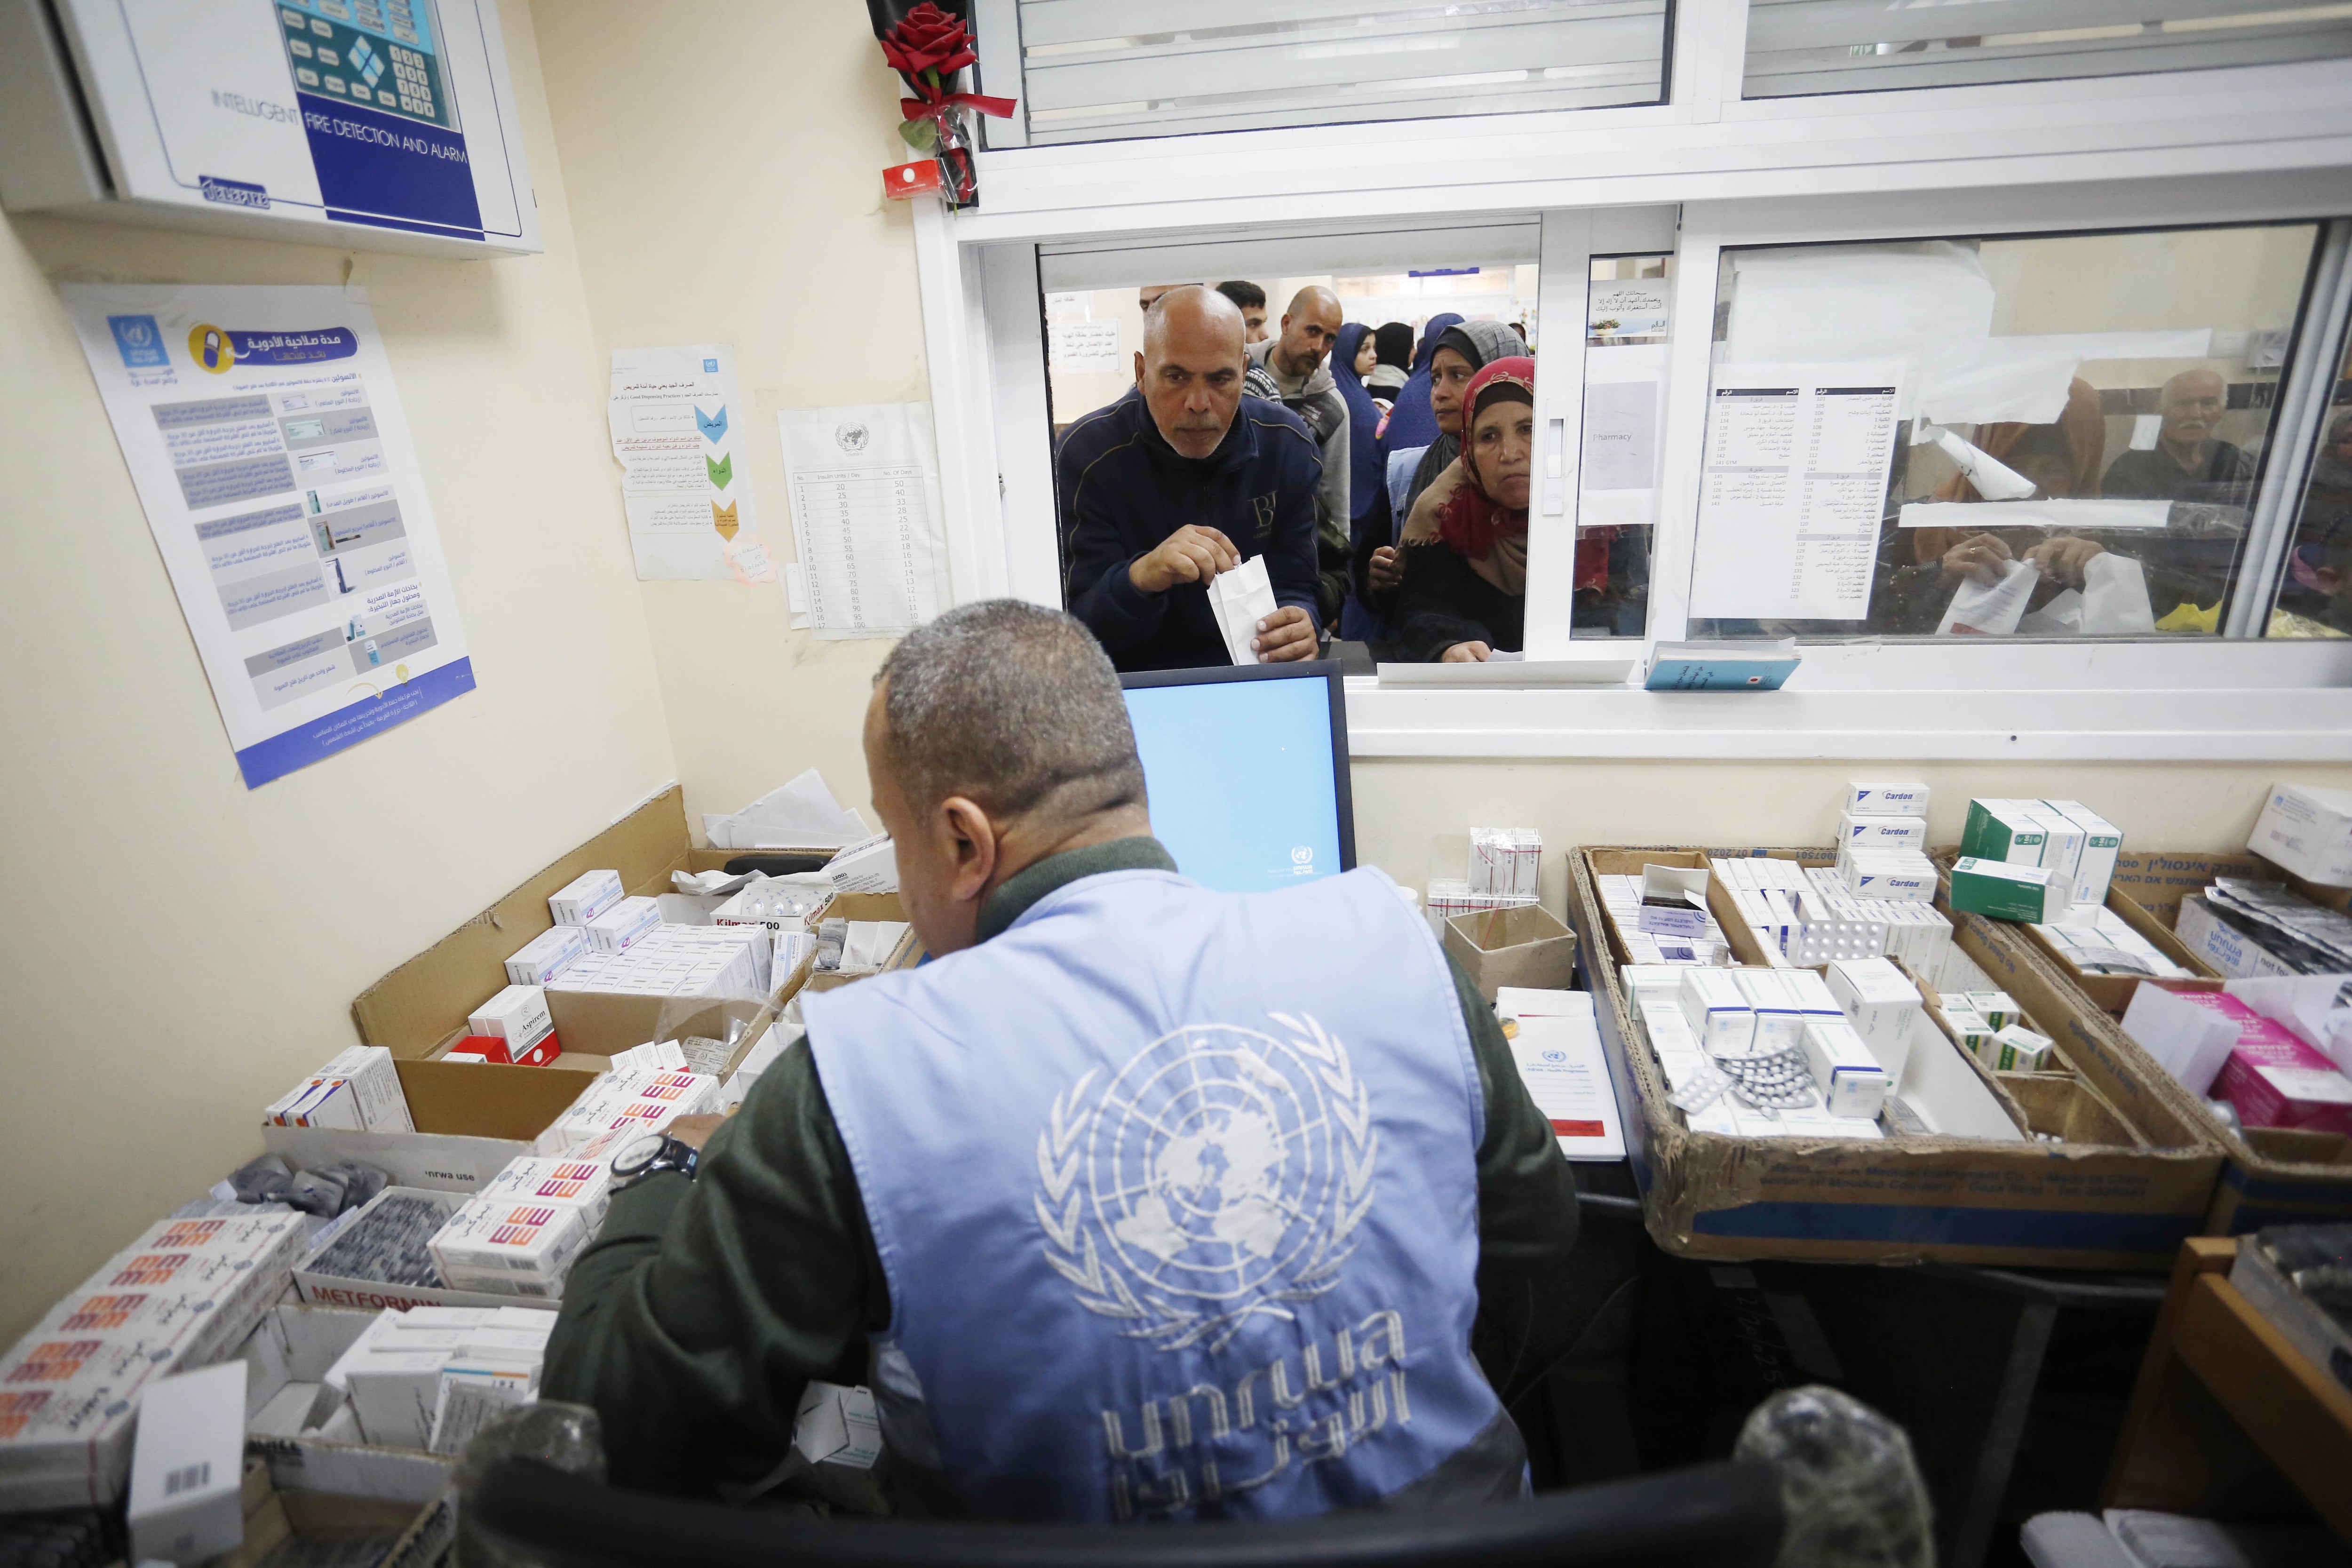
(1241,598)
(1990,609)
(1557,1050)
(802,815)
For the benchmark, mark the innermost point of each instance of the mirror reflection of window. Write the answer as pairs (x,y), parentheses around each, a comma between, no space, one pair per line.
(2046,437)
(1236,458)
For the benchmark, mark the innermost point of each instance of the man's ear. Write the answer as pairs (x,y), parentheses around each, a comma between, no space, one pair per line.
(1138,367)
(971,846)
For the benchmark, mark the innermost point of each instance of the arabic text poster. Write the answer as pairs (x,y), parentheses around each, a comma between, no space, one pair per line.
(267,441)
(678,431)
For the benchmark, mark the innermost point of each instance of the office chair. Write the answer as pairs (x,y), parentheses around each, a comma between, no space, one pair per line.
(522,1512)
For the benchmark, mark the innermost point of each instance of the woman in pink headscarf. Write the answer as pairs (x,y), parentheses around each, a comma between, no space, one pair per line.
(1465,593)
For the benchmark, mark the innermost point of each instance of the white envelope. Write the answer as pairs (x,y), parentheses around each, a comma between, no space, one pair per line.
(1242,597)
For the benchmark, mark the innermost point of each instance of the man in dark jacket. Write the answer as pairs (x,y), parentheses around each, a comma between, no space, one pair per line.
(1181,480)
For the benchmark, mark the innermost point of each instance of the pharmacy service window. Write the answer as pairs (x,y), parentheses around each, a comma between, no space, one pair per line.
(2007,181)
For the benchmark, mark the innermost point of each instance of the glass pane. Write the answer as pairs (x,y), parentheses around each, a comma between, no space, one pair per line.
(1798,46)
(1124,483)
(1627,310)
(1098,69)
(2315,598)
(2049,437)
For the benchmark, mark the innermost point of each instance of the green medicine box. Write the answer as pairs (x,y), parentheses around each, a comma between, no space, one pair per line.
(1982,886)
(2003,830)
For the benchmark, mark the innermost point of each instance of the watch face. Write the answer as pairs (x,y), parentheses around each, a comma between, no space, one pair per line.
(637,1153)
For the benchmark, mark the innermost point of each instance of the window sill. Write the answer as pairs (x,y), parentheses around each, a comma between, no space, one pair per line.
(2038,702)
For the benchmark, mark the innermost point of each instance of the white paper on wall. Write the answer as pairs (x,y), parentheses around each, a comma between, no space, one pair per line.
(678,430)
(1625,408)
(1798,456)
(866,517)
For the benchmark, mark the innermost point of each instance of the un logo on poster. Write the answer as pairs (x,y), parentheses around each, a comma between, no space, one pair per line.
(1221,1174)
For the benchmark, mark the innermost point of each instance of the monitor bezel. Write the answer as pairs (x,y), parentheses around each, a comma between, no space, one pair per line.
(1329,670)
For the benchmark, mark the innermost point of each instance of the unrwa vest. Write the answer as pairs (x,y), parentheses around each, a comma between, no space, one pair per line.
(1176,1195)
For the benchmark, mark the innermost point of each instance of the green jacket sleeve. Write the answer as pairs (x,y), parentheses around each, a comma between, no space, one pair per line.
(1526,1213)
(703,1308)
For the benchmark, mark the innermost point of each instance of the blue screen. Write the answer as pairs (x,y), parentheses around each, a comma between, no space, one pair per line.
(1240,776)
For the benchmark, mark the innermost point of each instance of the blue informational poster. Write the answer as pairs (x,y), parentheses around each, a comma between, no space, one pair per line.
(271,456)
(1240,780)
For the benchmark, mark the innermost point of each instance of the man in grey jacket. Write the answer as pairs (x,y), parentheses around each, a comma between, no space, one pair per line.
(1292,369)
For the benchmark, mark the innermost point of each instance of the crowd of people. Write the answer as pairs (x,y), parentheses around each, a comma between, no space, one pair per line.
(1384,482)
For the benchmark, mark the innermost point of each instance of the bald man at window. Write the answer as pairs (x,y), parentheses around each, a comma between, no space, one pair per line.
(2189,462)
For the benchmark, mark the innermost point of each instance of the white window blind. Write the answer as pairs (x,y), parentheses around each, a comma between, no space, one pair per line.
(1099,69)
(1799,47)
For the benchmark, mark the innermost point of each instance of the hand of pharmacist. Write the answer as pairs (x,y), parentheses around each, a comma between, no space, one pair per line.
(1191,554)
(2062,560)
(695,1131)
(1285,635)
(1980,560)
(1387,570)
(1466,653)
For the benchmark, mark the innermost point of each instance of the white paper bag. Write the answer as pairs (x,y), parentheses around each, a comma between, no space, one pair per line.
(1242,597)
(2115,597)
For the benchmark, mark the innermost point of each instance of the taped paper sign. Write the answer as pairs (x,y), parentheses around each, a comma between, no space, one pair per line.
(677,429)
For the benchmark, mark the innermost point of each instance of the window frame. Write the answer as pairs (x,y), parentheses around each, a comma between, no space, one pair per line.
(1703,171)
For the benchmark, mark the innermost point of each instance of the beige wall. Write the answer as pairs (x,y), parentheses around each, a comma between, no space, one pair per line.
(726,181)
(178,948)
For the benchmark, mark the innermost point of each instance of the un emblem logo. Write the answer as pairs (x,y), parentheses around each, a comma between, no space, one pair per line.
(1221,1174)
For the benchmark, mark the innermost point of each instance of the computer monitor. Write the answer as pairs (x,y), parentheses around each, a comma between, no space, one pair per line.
(1247,767)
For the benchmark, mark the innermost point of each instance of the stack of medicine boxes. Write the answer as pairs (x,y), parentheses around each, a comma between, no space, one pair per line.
(1504,870)
(2073,847)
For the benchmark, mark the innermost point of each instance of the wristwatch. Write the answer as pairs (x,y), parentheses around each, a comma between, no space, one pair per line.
(651,1154)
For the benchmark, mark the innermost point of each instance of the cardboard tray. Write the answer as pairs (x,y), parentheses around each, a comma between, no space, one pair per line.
(1956,1200)
(2268,1175)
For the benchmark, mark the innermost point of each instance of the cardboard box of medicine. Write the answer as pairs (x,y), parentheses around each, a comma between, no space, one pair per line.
(2307,830)
(2114,992)
(1985,1199)
(869,907)
(320,1286)
(1525,946)
(2268,1175)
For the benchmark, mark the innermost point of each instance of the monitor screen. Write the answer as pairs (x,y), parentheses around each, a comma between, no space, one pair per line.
(1247,772)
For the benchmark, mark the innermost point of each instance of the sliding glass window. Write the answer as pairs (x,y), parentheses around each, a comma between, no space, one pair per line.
(2053,437)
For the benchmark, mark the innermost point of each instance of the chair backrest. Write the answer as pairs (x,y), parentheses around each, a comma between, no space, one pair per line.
(1727,1516)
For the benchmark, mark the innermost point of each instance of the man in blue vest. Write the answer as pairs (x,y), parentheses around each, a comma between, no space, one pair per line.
(1146,1201)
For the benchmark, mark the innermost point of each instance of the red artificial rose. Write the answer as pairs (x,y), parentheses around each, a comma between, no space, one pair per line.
(929,39)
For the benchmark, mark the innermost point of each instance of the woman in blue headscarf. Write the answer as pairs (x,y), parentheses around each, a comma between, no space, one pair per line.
(1410,424)
(1364,476)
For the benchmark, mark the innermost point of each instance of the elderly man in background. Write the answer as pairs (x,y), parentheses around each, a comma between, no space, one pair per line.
(1294,370)
(1184,478)
(2189,462)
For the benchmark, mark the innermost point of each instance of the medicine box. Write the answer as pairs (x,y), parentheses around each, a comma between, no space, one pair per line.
(584,897)
(2015,1049)
(624,925)
(546,955)
(517,1015)
(2102,843)
(1779,1020)
(2276,1081)
(1883,832)
(1882,1006)
(1901,876)
(1851,1080)
(508,1248)
(584,1184)
(1717,1011)
(2006,891)
(2307,830)
(1505,861)
(187,1470)
(869,865)
(1871,797)
(2005,830)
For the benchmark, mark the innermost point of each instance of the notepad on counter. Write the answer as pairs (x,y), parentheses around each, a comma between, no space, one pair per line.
(1755,665)
(1556,1041)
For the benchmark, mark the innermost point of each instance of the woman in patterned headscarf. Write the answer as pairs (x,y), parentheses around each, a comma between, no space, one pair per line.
(1466,546)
